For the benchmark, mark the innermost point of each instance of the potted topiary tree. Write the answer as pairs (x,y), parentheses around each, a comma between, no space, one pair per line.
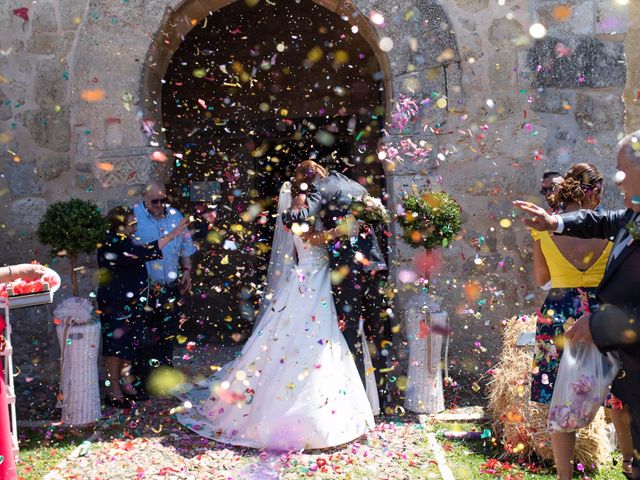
(70,228)
(429,220)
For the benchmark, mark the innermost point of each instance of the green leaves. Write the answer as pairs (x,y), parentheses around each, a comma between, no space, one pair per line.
(76,226)
(431,220)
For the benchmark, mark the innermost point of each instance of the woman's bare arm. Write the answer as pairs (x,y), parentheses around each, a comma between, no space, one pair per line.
(540,267)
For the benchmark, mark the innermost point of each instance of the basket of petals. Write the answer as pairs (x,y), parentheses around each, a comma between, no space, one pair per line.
(27,293)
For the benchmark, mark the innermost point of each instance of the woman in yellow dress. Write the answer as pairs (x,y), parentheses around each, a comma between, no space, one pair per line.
(575,267)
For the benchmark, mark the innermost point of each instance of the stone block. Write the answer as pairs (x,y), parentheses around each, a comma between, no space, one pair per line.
(472,6)
(43,17)
(49,129)
(71,13)
(403,164)
(425,85)
(46,44)
(5,108)
(83,167)
(453,86)
(469,24)
(502,71)
(599,111)
(28,211)
(504,32)
(421,35)
(579,22)
(553,101)
(577,62)
(53,166)
(22,178)
(85,182)
(51,83)
(131,166)
(611,17)
(399,184)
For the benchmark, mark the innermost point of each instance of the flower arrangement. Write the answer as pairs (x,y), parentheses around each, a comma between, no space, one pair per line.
(370,210)
(634,230)
(430,220)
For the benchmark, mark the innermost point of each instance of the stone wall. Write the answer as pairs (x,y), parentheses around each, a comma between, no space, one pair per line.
(78,78)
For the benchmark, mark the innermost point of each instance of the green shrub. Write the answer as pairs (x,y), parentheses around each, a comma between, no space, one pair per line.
(72,227)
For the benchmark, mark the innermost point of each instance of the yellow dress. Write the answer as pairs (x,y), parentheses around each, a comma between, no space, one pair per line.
(571,290)
(563,273)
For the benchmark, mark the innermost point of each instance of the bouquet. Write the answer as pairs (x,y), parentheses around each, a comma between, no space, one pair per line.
(430,220)
(370,210)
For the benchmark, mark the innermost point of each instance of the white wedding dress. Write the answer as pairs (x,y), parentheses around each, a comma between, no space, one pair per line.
(294,385)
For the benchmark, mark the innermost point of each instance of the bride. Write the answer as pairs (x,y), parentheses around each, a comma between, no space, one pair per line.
(295,385)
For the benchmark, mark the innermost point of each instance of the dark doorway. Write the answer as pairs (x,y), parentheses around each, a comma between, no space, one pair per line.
(251,92)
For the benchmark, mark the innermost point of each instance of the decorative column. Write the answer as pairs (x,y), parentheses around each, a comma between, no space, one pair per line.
(425,323)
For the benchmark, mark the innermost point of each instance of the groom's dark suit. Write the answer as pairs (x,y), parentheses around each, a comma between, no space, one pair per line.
(329,199)
(616,325)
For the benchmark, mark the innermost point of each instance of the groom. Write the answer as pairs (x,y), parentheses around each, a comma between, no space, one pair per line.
(353,260)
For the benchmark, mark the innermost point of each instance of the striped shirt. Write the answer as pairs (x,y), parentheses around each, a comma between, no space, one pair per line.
(150,229)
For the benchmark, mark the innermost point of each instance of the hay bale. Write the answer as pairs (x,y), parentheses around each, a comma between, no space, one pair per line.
(522,424)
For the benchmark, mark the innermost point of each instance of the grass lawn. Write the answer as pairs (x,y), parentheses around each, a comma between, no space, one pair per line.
(42,449)
(409,455)
(468,459)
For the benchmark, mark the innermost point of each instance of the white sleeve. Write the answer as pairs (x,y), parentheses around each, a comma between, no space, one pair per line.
(560,227)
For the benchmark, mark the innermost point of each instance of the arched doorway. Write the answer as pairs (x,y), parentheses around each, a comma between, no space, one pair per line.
(250,92)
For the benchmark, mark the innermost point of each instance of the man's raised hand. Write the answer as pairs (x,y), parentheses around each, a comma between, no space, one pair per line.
(536,217)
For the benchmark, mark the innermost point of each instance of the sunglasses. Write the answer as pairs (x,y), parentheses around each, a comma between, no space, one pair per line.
(157,201)
(546,190)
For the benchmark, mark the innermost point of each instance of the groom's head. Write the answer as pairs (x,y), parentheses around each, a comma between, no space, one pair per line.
(306,173)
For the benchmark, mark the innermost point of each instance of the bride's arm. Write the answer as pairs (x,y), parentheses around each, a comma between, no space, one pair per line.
(346,228)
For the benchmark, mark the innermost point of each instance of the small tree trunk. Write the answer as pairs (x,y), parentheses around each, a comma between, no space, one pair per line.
(73,258)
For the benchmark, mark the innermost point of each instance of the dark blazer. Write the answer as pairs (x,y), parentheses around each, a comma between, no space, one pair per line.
(329,199)
(616,325)
(122,268)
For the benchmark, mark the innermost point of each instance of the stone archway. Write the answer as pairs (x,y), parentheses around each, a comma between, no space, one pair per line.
(177,25)
(421,59)
(126,63)
(244,99)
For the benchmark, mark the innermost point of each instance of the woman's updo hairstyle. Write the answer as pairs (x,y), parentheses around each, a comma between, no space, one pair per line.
(580,179)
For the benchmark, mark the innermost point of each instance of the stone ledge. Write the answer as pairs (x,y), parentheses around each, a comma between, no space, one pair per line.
(124,166)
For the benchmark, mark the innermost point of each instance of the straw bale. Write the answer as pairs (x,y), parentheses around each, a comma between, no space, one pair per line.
(521,423)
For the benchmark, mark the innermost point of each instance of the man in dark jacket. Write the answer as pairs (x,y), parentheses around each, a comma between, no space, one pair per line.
(616,325)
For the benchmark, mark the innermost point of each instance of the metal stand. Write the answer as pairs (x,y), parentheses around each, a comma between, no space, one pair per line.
(7,354)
